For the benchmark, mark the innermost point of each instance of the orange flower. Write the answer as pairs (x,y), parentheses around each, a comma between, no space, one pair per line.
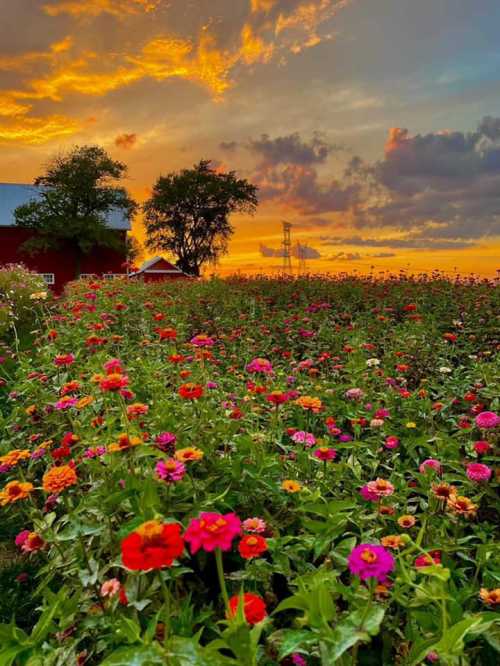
(124,442)
(13,457)
(31,410)
(84,402)
(406,521)
(393,541)
(443,491)
(57,479)
(462,506)
(291,486)
(309,403)
(189,454)
(15,490)
(490,597)
(137,409)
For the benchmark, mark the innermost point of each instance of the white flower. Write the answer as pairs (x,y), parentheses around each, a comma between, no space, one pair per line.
(372,362)
(444,370)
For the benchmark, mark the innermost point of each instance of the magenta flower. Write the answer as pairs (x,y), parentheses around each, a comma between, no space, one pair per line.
(170,470)
(354,394)
(478,472)
(391,442)
(211,531)
(430,463)
(487,420)
(325,453)
(166,441)
(368,494)
(260,365)
(65,403)
(202,340)
(370,561)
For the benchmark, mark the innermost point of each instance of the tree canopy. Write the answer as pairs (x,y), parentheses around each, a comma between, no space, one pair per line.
(77,192)
(188,213)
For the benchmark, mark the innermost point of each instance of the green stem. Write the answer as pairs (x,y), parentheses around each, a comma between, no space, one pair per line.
(166,597)
(220,574)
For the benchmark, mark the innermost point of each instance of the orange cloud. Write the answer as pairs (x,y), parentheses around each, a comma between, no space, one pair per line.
(397,136)
(262,5)
(126,141)
(118,8)
(299,27)
(253,48)
(38,130)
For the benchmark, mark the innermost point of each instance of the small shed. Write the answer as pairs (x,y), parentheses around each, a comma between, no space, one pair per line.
(157,269)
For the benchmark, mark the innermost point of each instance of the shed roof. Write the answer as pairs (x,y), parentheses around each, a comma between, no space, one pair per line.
(13,195)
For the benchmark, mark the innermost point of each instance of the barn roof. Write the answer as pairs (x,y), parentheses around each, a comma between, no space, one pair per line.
(13,195)
(158,265)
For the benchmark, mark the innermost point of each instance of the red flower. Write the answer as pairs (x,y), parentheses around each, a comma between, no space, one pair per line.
(191,391)
(252,545)
(113,382)
(152,546)
(253,607)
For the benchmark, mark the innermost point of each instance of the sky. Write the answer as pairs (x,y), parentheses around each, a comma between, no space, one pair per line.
(372,126)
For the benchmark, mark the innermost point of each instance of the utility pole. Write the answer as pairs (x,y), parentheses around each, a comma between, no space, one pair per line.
(287,247)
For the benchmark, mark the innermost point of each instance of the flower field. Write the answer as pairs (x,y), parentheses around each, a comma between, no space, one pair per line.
(253,472)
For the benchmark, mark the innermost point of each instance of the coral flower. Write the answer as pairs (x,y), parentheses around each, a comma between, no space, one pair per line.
(15,490)
(170,470)
(137,409)
(487,420)
(57,479)
(443,490)
(478,472)
(254,607)
(12,458)
(110,587)
(256,525)
(62,360)
(252,545)
(188,454)
(370,561)
(490,597)
(380,487)
(190,391)
(291,486)
(152,545)
(434,557)
(29,542)
(212,530)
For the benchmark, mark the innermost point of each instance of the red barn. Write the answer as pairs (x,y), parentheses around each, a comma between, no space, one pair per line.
(56,266)
(158,268)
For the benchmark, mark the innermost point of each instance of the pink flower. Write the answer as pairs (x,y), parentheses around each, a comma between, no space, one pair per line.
(430,463)
(487,420)
(212,530)
(302,437)
(370,561)
(325,453)
(202,340)
(367,494)
(29,542)
(391,442)
(260,365)
(354,394)
(481,447)
(170,470)
(21,537)
(478,472)
(114,365)
(66,403)
(110,587)
(256,525)
(64,359)
(166,441)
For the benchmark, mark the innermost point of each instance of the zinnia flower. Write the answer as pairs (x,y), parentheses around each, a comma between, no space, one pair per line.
(490,597)
(170,470)
(152,545)
(370,561)
(393,541)
(380,487)
(57,479)
(302,437)
(462,506)
(188,454)
(325,453)
(430,463)
(260,365)
(252,545)
(254,607)
(212,530)
(478,472)
(113,382)
(487,420)
(434,557)
(14,491)
(190,391)
(291,486)
(406,521)
(124,442)
(256,525)
(110,587)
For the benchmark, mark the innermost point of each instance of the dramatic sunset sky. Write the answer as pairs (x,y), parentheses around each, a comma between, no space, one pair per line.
(373,126)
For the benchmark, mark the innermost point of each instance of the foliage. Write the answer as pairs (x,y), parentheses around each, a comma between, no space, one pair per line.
(188,213)
(256,379)
(77,193)
(22,294)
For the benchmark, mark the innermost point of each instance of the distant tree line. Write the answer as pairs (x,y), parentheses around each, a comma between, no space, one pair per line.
(187,214)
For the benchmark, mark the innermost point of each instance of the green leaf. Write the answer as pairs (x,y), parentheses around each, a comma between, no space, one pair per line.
(292,640)
(142,655)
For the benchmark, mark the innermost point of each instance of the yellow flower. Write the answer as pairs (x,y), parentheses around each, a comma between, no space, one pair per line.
(124,442)
(291,486)
(188,454)
(411,424)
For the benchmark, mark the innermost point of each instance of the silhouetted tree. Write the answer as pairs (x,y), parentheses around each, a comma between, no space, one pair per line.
(188,213)
(77,193)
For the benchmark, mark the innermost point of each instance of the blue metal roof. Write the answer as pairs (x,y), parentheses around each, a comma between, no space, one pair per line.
(13,195)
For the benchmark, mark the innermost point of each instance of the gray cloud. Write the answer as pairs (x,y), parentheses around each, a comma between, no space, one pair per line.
(414,243)
(346,256)
(228,146)
(291,149)
(299,250)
